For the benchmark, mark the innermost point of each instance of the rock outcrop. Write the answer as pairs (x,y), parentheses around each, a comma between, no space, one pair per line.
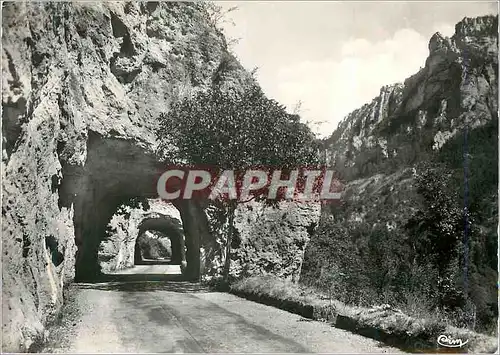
(83,85)
(446,110)
(375,146)
(272,240)
(407,122)
(266,239)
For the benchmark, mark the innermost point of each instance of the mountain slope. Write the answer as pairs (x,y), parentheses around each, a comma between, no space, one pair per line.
(402,156)
(457,86)
(76,77)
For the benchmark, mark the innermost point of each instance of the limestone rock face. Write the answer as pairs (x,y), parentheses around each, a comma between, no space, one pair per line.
(376,147)
(83,85)
(457,86)
(273,240)
(266,239)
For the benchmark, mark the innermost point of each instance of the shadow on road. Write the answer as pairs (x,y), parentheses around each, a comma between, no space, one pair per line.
(144,283)
(140,277)
(154,262)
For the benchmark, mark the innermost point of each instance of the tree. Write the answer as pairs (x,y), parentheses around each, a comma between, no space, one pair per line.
(235,130)
(437,230)
(218,16)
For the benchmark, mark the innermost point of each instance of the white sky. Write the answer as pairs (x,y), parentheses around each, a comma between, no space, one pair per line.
(335,56)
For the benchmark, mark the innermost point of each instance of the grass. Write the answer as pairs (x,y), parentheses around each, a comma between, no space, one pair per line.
(384,323)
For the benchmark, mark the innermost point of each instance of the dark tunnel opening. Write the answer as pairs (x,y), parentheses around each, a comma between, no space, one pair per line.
(116,171)
(151,239)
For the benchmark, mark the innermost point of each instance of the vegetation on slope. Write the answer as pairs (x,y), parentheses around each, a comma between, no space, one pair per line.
(154,245)
(413,332)
(438,257)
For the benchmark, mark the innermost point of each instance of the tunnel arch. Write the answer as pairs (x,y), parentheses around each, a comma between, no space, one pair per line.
(117,170)
(154,247)
(171,228)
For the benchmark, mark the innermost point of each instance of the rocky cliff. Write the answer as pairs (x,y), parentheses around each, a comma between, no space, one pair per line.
(83,85)
(446,116)
(376,146)
(408,121)
(266,240)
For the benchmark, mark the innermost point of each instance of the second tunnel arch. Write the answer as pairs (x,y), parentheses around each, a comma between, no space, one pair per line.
(117,170)
(170,228)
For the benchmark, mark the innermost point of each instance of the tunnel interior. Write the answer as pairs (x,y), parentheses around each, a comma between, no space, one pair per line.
(115,171)
(153,246)
(160,240)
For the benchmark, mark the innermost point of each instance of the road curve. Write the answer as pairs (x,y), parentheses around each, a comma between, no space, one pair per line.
(182,317)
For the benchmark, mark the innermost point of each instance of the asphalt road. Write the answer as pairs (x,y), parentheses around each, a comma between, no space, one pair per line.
(182,317)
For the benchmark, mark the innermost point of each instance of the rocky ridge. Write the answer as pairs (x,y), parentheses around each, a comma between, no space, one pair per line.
(448,107)
(376,147)
(266,240)
(408,121)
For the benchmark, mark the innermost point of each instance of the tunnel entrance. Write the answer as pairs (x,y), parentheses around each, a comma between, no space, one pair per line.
(144,233)
(117,171)
(160,240)
(158,253)
(154,247)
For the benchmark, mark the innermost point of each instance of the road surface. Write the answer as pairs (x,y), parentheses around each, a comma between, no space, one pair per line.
(181,317)
(151,269)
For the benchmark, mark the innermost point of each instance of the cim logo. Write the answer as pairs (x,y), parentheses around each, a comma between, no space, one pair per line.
(449,342)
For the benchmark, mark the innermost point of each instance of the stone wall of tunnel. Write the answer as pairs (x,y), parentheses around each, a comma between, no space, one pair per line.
(115,172)
(268,240)
(118,249)
(79,114)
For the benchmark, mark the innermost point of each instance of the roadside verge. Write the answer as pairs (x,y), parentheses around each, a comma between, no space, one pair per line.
(383,323)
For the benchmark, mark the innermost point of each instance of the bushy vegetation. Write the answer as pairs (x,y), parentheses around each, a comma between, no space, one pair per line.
(476,181)
(440,260)
(154,245)
(273,286)
(412,333)
(382,317)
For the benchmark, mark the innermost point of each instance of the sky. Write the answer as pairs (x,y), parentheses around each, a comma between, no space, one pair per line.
(333,57)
